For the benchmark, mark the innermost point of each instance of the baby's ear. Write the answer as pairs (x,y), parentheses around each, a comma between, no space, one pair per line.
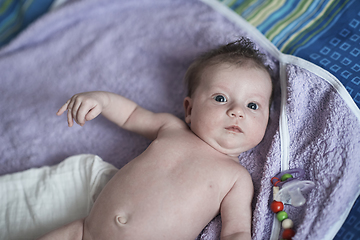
(188,108)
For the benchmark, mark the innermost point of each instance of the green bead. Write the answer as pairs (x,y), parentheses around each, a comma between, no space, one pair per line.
(286,176)
(281,216)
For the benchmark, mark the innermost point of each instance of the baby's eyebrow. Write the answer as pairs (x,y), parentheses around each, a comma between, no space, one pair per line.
(258,96)
(219,87)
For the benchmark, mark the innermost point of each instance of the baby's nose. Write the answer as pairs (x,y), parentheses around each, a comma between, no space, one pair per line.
(235,112)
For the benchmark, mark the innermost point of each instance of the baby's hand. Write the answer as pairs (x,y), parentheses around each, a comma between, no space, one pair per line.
(83,107)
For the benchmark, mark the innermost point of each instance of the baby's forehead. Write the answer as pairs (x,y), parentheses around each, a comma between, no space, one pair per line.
(229,76)
(226,67)
(244,64)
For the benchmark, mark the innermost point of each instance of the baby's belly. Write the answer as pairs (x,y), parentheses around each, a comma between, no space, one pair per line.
(158,207)
(132,226)
(146,221)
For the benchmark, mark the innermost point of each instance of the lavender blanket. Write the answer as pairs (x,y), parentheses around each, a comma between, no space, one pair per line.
(141,49)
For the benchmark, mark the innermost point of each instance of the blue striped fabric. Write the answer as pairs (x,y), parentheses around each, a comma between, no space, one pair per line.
(322,25)
(252,8)
(16,15)
(297,24)
(276,16)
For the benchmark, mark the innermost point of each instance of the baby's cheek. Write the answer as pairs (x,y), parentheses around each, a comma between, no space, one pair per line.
(259,132)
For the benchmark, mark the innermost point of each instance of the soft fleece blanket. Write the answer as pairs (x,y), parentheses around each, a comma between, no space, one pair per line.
(141,49)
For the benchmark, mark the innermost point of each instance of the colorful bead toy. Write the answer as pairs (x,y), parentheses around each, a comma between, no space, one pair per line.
(276,206)
(290,193)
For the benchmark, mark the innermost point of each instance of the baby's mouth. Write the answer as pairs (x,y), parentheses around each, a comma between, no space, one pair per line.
(234,128)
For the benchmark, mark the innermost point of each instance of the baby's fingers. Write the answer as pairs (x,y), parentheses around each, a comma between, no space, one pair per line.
(63,108)
(87,112)
(93,113)
(81,114)
(75,109)
(70,118)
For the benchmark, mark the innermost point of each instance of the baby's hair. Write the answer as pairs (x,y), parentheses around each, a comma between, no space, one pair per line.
(241,52)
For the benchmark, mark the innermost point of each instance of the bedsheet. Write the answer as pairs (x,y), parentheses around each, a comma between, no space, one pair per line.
(141,50)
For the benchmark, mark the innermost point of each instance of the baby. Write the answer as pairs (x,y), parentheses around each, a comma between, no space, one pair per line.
(190,172)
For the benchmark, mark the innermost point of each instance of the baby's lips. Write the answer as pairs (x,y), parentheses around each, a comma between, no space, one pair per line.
(234,128)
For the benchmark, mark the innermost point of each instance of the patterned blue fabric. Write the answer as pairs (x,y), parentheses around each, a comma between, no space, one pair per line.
(16,15)
(337,49)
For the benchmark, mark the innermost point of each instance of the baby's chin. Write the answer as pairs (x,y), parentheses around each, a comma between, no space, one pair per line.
(230,148)
(231,151)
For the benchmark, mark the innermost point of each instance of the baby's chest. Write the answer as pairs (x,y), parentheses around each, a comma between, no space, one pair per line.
(188,166)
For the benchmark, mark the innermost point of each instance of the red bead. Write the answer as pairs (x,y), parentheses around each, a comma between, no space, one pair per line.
(276,206)
(288,234)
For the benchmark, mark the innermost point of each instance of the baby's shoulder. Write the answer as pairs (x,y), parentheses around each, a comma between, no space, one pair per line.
(244,179)
(172,122)
(243,172)
(238,173)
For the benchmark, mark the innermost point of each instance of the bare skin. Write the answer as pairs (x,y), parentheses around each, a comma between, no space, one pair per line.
(183,179)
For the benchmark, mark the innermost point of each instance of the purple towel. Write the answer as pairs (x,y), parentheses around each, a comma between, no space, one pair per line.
(141,49)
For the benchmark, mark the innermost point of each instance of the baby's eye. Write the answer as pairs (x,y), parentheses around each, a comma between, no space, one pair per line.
(220,98)
(253,106)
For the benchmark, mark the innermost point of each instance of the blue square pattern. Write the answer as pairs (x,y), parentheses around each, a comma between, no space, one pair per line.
(349,236)
(342,57)
(346,74)
(325,62)
(356,80)
(354,37)
(355,52)
(325,50)
(356,67)
(344,32)
(345,46)
(335,55)
(335,41)
(351,220)
(354,23)
(346,61)
(335,68)
(357,226)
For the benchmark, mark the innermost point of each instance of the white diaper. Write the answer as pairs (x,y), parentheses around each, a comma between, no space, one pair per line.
(39,200)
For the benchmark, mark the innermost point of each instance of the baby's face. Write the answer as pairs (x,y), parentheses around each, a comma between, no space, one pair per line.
(229,110)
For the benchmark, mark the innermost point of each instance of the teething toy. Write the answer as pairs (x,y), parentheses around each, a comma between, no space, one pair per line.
(291,193)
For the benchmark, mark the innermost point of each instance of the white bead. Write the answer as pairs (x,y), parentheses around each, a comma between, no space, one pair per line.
(287,223)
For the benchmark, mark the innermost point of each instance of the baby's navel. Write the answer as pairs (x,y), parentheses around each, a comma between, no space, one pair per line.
(121,219)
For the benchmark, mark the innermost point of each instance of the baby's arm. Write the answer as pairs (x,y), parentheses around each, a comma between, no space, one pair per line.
(86,106)
(236,210)
(118,109)
(72,231)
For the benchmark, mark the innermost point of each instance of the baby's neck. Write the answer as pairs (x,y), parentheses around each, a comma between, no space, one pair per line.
(232,157)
